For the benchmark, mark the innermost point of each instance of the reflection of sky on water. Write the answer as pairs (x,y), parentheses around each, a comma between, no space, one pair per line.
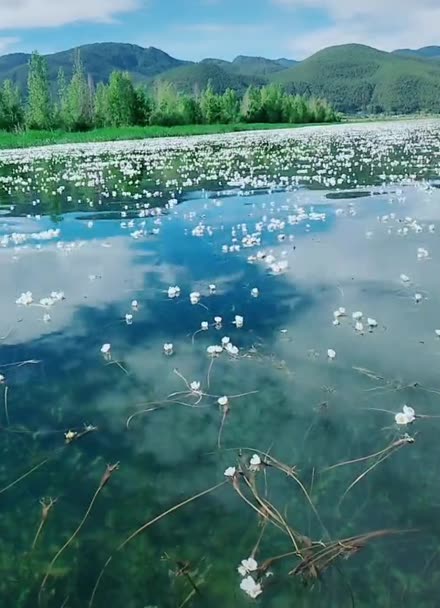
(308,411)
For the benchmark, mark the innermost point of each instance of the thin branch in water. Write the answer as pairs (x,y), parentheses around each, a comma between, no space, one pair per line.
(47,505)
(142,528)
(6,405)
(104,480)
(389,452)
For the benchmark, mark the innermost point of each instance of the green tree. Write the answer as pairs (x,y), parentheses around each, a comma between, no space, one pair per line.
(121,100)
(39,107)
(251,108)
(272,103)
(11,108)
(101,115)
(210,104)
(78,103)
(230,106)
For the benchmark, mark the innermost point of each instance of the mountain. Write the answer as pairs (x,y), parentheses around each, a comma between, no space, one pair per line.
(426,52)
(358,78)
(353,77)
(99,59)
(195,77)
(286,63)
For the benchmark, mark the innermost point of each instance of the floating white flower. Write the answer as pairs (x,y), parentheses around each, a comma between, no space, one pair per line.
(255,463)
(195,386)
(212,288)
(230,472)
(231,349)
(225,340)
(249,586)
(248,565)
(372,322)
(437,333)
(218,322)
(58,296)
(213,350)
(135,304)
(254,292)
(404,278)
(407,416)
(2,379)
(418,297)
(173,292)
(168,349)
(238,321)
(129,319)
(357,316)
(422,253)
(194,297)
(359,327)
(204,325)
(25,299)
(331,354)
(106,348)
(223,401)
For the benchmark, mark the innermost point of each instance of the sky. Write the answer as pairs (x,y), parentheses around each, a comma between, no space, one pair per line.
(195,29)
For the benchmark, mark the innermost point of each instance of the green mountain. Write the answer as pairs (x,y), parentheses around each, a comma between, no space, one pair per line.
(426,52)
(356,78)
(99,59)
(195,77)
(353,77)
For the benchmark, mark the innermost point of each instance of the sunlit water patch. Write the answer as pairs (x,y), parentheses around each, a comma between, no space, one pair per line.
(248,326)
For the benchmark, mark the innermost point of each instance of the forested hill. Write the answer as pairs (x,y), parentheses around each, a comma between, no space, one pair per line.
(354,78)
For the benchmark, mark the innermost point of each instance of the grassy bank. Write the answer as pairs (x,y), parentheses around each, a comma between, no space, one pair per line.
(45,138)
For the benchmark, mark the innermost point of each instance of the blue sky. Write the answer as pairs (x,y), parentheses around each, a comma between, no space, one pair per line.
(194,29)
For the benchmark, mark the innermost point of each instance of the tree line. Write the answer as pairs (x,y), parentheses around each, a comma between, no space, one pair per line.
(78,105)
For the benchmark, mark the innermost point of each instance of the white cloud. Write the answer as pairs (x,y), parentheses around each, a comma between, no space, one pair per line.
(6,42)
(383,24)
(18,14)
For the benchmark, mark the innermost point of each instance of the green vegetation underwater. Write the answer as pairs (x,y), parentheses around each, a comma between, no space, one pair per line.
(219,371)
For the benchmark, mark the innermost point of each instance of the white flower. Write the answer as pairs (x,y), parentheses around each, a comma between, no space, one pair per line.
(255,293)
(225,340)
(418,297)
(372,322)
(231,349)
(255,463)
(437,333)
(230,472)
(359,327)
(407,416)
(129,319)
(357,315)
(238,321)
(2,379)
(218,320)
(135,304)
(172,293)
(106,348)
(57,296)
(249,586)
(194,297)
(249,564)
(214,350)
(204,325)
(331,354)
(212,288)
(195,386)
(25,299)
(404,278)
(223,401)
(168,349)
(47,302)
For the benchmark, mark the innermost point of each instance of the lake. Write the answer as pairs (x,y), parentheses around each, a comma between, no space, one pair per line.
(219,371)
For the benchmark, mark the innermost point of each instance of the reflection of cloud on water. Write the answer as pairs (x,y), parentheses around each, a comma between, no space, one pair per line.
(121,275)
